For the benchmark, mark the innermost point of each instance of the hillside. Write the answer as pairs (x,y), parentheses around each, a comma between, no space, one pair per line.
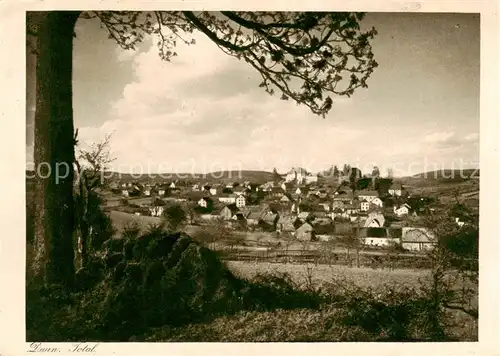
(448,174)
(224,176)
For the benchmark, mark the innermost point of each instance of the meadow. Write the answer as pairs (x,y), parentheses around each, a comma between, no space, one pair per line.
(324,274)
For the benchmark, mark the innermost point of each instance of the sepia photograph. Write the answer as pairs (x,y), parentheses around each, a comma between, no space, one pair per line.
(251,176)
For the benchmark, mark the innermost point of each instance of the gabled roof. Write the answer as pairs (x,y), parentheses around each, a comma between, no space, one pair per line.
(286,196)
(324,228)
(351,206)
(416,234)
(227,195)
(304,215)
(232,207)
(297,170)
(253,215)
(373,232)
(269,217)
(305,226)
(287,219)
(395,232)
(368,193)
(320,214)
(344,196)
(369,221)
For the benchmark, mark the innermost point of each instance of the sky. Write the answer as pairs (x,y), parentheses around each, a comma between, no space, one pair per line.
(203,111)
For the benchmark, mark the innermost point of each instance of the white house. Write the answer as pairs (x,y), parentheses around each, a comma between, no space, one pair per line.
(172,185)
(375,220)
(213,191)
(377,237)
(417,239)
(147,192)
(296,174)
(338,212)
(395,190)
(298,191)
(285,199)
(156,210)
(125,193)
(364,205)
(239,190)
(326,206)
(368,195)
(459,223)
(228,199)
(204,202)
(305,232)
(378,202)
(161,192)
(402,210)
(351,209)
(240,201)
(196,188)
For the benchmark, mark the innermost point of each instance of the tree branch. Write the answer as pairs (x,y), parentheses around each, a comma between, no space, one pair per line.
(201,26)
(258,28)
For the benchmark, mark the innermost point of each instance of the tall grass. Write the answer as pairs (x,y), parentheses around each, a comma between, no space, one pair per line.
(160,285)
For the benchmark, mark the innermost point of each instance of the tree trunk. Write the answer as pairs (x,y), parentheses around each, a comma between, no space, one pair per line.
(54,149)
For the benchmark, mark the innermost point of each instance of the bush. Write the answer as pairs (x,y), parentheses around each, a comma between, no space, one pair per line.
(164,278)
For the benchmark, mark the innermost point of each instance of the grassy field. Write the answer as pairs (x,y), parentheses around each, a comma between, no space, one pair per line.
(325,324)
(120,220)
(266,246)
(361,277)
(295,325)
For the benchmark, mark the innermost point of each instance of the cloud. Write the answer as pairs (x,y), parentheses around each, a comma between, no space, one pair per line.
(204,111)
(472,137)
(439,137)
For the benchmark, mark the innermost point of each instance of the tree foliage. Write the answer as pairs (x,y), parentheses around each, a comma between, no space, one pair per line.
(94,227)
(175,216)
(306,56)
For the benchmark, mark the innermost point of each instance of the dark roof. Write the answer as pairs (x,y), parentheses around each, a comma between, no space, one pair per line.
(227,195)
(343,228)
(396,232)
(370,193)
(269,217)
(287,219)
(373,232)
(234,209)
(254,215)
(324,228)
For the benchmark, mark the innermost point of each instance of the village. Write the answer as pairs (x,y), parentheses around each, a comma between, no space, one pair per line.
(297,205)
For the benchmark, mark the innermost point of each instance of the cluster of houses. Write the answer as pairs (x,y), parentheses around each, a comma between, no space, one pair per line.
(297,206)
